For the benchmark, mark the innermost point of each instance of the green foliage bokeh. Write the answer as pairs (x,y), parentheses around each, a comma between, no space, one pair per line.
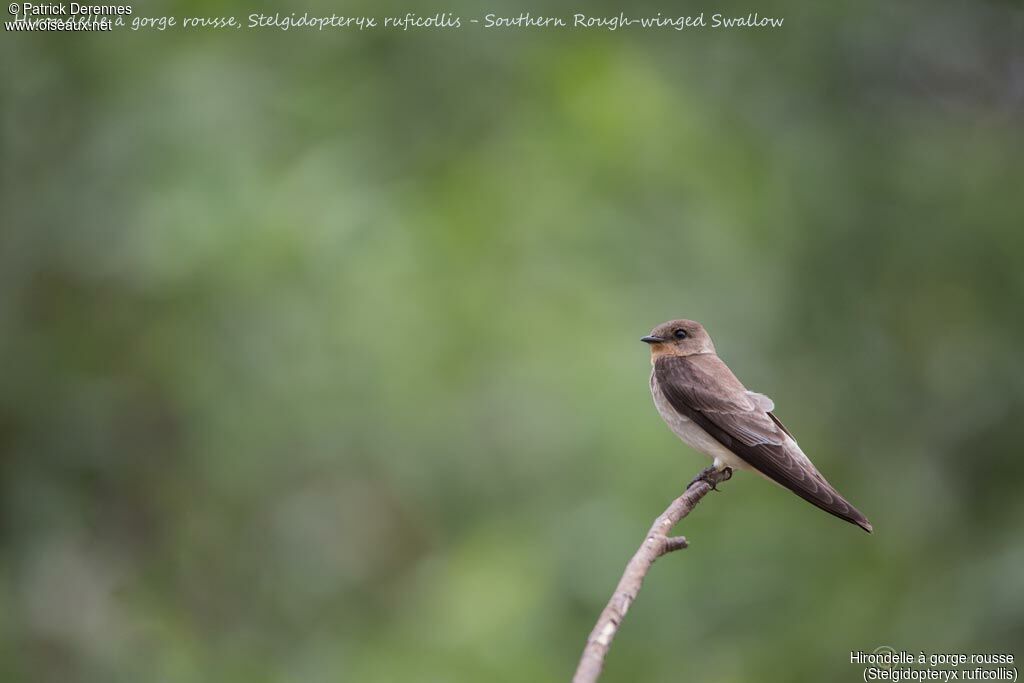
(321,360)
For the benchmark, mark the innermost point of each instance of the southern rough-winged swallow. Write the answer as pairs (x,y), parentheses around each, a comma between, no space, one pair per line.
(712,412)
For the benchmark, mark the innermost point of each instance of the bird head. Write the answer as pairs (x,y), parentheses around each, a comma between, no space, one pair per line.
(679,338)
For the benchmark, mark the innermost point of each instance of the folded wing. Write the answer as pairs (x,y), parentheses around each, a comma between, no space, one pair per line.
(702,388)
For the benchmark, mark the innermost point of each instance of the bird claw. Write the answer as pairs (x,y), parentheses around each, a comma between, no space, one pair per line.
(719,477)
(713,476)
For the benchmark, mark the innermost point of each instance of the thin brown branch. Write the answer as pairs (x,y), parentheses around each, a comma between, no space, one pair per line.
(657,543)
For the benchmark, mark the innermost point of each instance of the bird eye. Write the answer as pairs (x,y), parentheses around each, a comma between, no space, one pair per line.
(679,334)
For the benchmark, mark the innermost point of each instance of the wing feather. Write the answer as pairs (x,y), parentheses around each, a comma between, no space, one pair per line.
(702,388)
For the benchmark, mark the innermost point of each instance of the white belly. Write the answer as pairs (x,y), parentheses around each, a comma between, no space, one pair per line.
(693,435)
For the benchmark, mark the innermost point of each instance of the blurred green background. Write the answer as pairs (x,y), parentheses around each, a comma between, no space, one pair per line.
(321,353)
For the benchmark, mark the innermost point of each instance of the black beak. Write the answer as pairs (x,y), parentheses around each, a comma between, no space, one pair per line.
(651,340)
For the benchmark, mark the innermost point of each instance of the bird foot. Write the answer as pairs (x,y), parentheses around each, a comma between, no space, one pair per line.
(712,476)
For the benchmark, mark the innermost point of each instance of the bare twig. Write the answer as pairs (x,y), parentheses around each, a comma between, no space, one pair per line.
(657,543)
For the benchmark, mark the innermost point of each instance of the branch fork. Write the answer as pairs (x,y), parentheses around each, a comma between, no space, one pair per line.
(656,544)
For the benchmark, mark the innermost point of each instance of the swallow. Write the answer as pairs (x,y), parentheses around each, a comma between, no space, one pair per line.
(706,406)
